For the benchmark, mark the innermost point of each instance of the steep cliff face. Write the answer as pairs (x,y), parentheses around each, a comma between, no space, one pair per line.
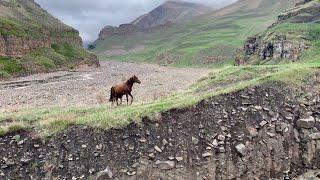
(122,30)
(25,27)
(293,33)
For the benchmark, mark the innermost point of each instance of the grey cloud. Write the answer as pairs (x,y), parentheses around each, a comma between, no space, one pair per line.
(90,16)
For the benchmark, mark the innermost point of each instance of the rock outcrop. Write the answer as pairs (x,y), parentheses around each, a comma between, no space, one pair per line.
(277,46)
(122,30)
(15,46)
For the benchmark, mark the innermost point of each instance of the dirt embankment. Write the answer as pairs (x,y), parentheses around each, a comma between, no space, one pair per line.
(258,133)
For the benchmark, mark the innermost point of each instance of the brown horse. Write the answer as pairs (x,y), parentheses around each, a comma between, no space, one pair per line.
(118,91)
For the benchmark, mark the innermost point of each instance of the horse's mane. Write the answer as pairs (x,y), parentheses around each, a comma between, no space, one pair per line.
(130,81)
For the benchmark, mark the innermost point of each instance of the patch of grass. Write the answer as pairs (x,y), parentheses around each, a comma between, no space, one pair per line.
(10,66)
(2,132)
(69,51)
(59,56)
(56,126)
(16,127)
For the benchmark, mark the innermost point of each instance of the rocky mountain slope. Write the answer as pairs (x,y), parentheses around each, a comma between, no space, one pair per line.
(26,30)
(210,39)
(171,11)
(296,31)
(162,17)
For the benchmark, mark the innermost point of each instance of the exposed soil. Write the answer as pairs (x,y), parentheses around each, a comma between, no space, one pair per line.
(198,142)
(92,86)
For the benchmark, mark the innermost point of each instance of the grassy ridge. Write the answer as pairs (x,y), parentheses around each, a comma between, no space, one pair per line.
(211,39)
(225,80)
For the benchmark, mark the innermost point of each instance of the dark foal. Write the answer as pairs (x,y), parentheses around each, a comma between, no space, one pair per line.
(118,91)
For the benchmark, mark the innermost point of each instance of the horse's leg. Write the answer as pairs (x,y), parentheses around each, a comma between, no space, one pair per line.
(131,98)
(117,101)
(121,101)
(127,99)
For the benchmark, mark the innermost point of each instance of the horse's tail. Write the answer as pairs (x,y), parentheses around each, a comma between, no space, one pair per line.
(112,94)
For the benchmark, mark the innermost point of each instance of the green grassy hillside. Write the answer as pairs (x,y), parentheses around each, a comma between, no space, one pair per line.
(32,40)
(295,37)
(209,40)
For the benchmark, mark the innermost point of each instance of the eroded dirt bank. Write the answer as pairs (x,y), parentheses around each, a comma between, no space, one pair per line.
(92,86)
(258,133)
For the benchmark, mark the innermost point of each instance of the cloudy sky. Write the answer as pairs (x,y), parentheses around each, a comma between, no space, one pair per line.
(90,16)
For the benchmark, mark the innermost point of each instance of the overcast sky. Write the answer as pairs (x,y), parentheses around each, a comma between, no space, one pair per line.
(90,16)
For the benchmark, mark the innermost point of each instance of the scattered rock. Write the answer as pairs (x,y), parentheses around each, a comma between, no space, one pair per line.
(221,138)
(165,165)
(179,159)
(131,173)
(20,143)
(271,134)
(99,146)
(258,107)
(253,131)
(215,143)
(151,156)
(207,154)
(263,123)
(314,136)
(222,150)
(242,150)
(26,160)
(142,140)
(165,142)
(306,123)
(92,170)
(105,174)
(194,140)
(158,149)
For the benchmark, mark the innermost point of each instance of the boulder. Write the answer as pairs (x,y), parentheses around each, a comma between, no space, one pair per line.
(306,123)
(105,174)
(242,150)
(165,165)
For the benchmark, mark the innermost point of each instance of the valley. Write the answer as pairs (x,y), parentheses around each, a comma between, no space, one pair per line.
(226,94)
(91,86)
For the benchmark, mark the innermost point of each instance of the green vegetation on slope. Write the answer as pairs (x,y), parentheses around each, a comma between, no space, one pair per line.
(209,40)
(43,59)
(25,18)
(225,80)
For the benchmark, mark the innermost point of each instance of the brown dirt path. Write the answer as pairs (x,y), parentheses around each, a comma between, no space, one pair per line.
(91,86)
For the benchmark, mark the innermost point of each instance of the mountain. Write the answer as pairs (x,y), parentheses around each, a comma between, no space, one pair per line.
(162,17)
(32,40)
(295,33)
(171,11)
(210,39)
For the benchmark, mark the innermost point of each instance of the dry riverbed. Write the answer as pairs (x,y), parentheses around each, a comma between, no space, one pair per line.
(92,86)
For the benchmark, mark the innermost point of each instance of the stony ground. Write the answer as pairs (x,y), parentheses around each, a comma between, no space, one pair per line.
(265,132)
(92,86)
